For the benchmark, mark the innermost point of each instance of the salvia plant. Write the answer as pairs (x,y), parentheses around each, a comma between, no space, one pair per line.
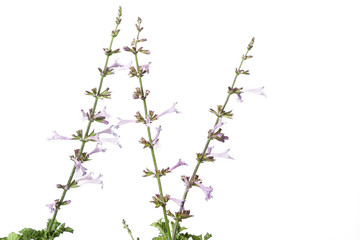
(100,132)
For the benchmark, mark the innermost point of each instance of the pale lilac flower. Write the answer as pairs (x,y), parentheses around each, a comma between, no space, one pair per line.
(56,136)
(95,138)
(218,125)
(207,190)
(117,66)
(102,114)
(222,155)
(51,206)
(208,152)
(108,131)
(84,115)
(97,149)
(123,121)
(170,110)
(80,169)
(221,137)
(258,91)
(180,163)
(156,139)
(89,179)
(100,139)
(187,183)
(145,67)
(178,202)
(147,121)
(113,140)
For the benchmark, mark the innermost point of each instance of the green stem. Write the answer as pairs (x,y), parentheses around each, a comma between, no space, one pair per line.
(84,142)
(205,148)
(151,148)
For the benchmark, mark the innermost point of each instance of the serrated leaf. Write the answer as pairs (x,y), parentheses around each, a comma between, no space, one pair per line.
(29,233)
(194,237)
(207,236)
(161,227)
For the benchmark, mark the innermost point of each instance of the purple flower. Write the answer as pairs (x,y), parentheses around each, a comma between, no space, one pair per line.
(218,125)
(208,152)
(108,131)
(102,114)
(51,206)
(126,48)
(170,110)
(145,67)
(207,190)
(97,149)
(221,137)
(147,121)
(100,139)
(187,183)
(113,140)
(117,66)
(156,139)
(95,138)
(258,91)
(178,202)
(80,169)
(56,136)
(222,155)
(89,179)
(123,121)
(180,163)
(84,115)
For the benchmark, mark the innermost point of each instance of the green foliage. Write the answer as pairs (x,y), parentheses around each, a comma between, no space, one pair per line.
(12,236)
(57,229)
(160,225)
(31,234)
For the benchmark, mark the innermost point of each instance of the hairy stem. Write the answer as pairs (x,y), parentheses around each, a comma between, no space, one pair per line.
(206,147)
(151,147)
(57,208)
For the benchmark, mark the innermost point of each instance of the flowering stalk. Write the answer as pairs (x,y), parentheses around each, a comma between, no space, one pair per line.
(220,113)
(97,94)
(140,70)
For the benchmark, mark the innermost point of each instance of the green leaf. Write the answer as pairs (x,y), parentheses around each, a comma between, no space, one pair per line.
(160,225)
(207,236)
(29,233)
(58,228)
(194,237)
(13,236)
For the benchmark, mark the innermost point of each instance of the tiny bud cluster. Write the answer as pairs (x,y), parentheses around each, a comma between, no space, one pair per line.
(138,94)
(104,94)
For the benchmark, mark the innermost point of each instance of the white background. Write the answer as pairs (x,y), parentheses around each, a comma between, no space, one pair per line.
(296,169)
